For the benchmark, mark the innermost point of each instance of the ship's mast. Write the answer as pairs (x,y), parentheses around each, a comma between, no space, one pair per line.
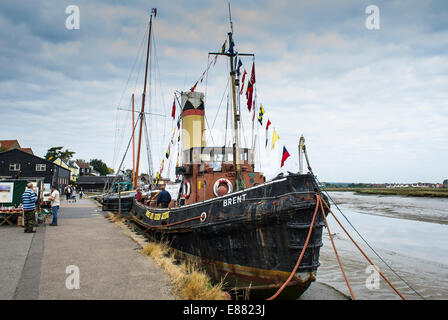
(142,112)
(134,181)
(236,119)
(239,182)
(233,55)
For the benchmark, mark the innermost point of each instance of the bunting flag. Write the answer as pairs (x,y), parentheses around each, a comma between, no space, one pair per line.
(194,87)
(238,67)
(260,115)
(242,81)
(232,44)
(223,48)
(284,156)
(275,138)
(173,111)
(167,153)
(250,88)
(172,136)
(267,128)
(178,123)
(202,77)
(163,164)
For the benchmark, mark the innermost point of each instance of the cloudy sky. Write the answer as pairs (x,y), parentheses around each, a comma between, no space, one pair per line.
(372,104)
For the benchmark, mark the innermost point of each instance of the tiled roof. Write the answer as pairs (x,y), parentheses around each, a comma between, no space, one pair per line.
(29,150)
(9,144)
(83,165)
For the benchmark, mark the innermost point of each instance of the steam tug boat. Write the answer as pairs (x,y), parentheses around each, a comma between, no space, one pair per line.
(227,217)
(234,222)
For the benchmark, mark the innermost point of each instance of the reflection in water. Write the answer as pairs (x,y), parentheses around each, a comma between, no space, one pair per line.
(414,248)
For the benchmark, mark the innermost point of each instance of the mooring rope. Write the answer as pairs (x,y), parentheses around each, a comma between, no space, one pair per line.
(301,254)
(365,241)
(335,251)
(370,261)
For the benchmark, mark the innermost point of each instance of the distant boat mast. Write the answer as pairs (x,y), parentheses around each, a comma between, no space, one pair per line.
(142,112)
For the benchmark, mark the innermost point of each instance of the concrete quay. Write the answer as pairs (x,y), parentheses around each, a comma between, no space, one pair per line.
(46,265)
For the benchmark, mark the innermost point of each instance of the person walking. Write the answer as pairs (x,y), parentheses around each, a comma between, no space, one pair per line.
(29,198)
(67,192)
(73,196)
(55,202)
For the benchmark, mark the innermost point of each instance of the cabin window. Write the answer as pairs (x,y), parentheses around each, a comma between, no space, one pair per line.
(41,167)
(205,157)
(14,166)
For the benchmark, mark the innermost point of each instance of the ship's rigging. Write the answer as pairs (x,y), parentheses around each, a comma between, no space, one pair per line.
(231,92)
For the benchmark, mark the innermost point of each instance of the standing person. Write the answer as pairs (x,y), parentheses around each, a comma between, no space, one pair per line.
(54,205)
(29,198)
(164,197)
(81,193)
(73,196)
(67,192)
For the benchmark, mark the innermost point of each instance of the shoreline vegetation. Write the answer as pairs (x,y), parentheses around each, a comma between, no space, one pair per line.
(188,279)
(406,192)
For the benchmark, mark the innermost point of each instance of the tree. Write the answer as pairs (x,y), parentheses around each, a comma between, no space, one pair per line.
(56,152)
(128,173)
(99,166)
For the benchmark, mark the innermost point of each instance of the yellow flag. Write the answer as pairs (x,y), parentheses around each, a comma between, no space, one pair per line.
(275,138)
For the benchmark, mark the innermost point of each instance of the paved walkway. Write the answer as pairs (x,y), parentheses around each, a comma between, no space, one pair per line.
(40,265)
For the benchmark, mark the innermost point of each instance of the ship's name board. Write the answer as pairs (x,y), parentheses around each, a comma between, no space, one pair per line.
(157,216)
(234,200)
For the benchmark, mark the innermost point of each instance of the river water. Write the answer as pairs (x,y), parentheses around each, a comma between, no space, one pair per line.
(409,233)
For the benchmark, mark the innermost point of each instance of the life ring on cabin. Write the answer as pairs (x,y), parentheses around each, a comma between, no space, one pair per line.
(220,182)
(186,189)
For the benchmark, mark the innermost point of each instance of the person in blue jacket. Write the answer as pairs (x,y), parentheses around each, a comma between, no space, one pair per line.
(164,197)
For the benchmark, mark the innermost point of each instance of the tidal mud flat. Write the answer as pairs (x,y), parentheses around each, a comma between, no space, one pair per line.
(410,234)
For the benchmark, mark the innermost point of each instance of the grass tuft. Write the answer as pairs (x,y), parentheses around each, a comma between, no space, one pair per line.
(189,280)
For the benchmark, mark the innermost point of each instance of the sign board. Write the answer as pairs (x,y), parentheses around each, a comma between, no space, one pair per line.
(6,192)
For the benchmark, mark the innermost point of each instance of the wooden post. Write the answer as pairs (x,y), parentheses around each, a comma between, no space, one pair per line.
(119,198)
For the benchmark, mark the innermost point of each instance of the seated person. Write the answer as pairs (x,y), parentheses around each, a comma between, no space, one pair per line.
(164,197)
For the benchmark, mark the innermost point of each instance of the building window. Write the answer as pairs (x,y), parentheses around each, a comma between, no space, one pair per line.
(41,167)
(14,166)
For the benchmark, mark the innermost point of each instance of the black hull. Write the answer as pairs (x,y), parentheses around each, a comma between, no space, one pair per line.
(112,202)
(253,237)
